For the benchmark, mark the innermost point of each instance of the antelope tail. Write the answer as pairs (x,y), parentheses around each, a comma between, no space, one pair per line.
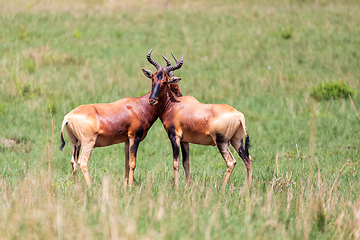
(62,134)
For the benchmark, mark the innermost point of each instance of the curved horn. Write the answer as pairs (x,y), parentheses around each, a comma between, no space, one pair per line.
(156,65)
(177,61)
(175,67)
(171,73)
(166,60)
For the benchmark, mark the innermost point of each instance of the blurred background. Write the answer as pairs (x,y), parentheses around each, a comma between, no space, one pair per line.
(289,66)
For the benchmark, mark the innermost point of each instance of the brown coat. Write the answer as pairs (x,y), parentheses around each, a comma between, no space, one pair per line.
(186,120)
(99,125)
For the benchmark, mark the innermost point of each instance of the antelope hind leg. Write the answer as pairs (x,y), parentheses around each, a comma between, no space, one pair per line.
(223,146)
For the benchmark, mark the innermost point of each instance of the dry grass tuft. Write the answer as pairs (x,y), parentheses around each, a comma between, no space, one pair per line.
(283,183)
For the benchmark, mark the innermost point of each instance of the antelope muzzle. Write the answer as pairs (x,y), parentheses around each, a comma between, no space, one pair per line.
(153,102)
(154,95)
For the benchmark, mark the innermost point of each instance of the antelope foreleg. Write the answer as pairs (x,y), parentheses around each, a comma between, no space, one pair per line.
(133,147)
(127,167)
(186,163)
(175,143)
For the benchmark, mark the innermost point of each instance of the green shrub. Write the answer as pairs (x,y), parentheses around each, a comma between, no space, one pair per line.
(329,91)
(286,33)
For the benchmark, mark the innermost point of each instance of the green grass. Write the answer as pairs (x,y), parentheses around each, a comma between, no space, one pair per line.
(262,58)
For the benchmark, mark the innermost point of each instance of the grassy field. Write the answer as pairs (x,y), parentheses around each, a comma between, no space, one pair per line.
(262,58)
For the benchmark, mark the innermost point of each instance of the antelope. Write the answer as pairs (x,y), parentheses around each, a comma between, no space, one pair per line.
(186,120)
(99,125)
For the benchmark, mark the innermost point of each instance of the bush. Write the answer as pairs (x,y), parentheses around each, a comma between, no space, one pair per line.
(329,91)
(286,33)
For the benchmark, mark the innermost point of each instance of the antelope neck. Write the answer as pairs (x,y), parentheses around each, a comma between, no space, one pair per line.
(147,111)
(167,99)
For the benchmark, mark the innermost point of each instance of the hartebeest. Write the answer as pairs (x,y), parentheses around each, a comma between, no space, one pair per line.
(99,125)
(186,120)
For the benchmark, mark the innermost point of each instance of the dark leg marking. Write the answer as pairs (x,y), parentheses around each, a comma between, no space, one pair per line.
(186,163)
(244,149)
(221,139)
(185,152)
(137,140)
(176,153)
(223,145)
(172,137)
(78,152)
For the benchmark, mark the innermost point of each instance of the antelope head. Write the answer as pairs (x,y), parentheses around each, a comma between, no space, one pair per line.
(162,77)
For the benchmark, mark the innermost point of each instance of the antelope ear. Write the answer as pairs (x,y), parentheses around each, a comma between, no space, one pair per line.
(147,73)
(174,79)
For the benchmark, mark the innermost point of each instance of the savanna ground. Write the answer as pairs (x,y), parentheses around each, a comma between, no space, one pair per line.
(262,58)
